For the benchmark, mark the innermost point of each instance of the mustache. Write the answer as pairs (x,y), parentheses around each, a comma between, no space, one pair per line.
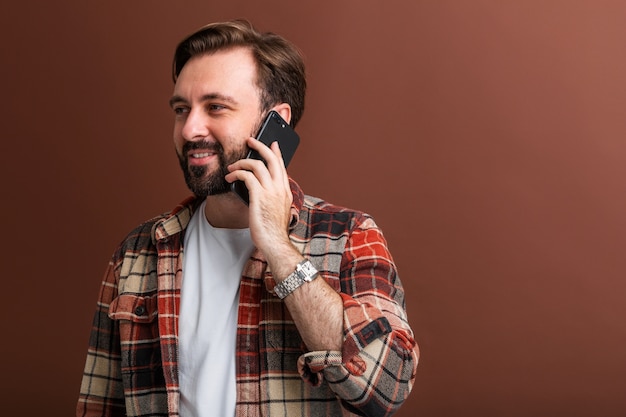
(205,144)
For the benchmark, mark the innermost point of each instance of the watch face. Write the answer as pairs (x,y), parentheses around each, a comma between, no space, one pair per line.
(309,271)
(305,272)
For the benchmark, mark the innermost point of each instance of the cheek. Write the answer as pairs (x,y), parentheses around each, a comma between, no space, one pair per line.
(178,139)
(229,138)
(236,149)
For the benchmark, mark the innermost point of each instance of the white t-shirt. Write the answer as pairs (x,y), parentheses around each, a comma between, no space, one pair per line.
(213,261)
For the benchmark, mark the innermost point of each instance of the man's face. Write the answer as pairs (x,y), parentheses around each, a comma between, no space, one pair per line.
(217,107)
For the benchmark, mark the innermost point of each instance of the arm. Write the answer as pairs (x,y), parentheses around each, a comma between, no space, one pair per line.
(375,370)
(315,308)
(358,336)
(101,392)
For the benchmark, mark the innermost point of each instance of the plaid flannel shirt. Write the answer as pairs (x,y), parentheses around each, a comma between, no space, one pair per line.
(131,367)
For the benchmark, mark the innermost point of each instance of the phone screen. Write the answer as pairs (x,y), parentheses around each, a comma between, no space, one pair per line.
(274,128)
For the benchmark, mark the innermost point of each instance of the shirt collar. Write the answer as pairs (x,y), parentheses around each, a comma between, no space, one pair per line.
(178,219)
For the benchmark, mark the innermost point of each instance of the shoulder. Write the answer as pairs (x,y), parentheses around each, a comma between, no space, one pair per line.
(318,210)
(318,217)
(312,211)
(143,237)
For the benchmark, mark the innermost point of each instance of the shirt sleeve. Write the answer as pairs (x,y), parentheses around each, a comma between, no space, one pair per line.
(101,390)
(375,371)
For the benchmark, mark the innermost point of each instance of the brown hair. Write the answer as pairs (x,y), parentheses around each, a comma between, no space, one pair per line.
(280,67)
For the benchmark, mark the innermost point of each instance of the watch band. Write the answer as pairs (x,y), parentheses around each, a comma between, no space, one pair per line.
(305,272)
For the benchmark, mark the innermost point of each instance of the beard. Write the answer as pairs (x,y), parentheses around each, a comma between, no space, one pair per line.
(199,179)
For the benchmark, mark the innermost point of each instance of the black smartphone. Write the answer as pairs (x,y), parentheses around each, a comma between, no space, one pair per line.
(274,128)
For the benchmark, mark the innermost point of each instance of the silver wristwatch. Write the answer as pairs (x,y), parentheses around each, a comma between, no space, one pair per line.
(305,272)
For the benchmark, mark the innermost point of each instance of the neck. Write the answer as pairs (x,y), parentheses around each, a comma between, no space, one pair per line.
(226,211)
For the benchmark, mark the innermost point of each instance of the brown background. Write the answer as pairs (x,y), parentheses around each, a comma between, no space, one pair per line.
(487,138)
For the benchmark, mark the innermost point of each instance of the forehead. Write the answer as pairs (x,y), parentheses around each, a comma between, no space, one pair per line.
(231,72)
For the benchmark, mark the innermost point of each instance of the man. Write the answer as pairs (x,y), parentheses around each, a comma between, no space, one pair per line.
(287,306)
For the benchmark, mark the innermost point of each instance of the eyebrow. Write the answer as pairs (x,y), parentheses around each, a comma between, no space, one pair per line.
(211,96)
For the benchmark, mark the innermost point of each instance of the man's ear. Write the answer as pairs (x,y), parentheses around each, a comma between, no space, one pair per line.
(284,109)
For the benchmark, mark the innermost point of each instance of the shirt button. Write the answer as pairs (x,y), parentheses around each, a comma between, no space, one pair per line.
(140,310)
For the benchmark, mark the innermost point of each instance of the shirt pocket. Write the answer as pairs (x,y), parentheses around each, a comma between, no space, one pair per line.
(134,308)
(141,363)
(138,330)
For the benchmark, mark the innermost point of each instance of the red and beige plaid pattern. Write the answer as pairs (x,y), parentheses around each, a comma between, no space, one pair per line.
(131,367)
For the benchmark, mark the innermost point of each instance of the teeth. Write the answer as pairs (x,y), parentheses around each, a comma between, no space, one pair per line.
(201,155)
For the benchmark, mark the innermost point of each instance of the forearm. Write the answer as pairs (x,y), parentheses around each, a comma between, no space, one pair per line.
(315,307)
(375,370)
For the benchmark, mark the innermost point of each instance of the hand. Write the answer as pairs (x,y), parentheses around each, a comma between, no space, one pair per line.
(270,196)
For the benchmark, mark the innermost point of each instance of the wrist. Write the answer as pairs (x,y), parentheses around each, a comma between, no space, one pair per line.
(282,259)
(304,272)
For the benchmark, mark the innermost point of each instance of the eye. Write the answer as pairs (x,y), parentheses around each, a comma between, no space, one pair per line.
(214,107)
(180,110)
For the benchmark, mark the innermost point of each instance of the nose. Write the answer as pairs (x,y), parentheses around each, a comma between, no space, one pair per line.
(196,126)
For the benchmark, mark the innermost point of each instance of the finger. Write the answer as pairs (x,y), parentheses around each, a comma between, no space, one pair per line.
(278,153)
(276,149)
(248,166)
(271,155)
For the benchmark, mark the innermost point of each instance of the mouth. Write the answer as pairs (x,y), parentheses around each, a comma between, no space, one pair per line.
(200,156)
(197,154)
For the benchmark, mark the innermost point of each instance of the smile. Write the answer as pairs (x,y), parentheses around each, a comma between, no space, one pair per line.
(201,155)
